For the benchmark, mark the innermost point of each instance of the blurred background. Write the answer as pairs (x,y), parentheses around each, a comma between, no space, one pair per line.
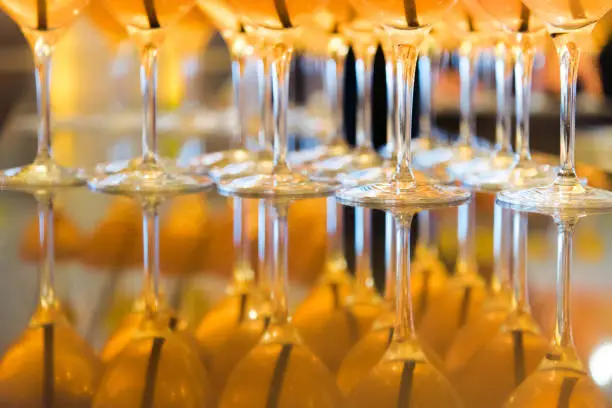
(96,112)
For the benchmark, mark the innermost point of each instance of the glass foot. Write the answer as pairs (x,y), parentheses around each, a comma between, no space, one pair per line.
(241,170)
(499,179)
(41,174)
(319,153)
(336,167)
(149,179)
(216,160)
(288,186)
(558,197)
(134,164)
(384,174)
(395,195)
(456,156)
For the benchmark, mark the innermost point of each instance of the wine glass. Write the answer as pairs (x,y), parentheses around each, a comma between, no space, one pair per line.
(147,28)
(164,369)
(242,46)
(43,24)
(471,26)
(568,23)
(525,34)
(514,350)
(561,379)
(50,365)
(278,28)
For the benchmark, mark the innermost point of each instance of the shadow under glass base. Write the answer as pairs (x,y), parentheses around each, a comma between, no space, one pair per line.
(42,174)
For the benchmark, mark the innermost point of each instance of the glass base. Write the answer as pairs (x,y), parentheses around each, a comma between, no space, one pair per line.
(455,157)
(319,153)
(557,197)
(41,174)
(149,179)
(133,164)
(337,167)
(241,170)
(384,174)
(394,196)
(216,160)
(491,179)
(281,186)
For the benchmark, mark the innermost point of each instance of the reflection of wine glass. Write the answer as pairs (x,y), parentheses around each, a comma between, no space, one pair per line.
(163,369)
(568,23)
(512,352)
(404,376)
(280,371)
(331,330)
(147,26)
(561,378)
(50,365)
(43,23)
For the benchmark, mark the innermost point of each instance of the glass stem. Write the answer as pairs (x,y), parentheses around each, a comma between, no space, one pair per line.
(519,275)
(282,54)
(407,56)
(424,231)
(503,127)
(563,329)
(363,249)
(334,86)
(279,269)
(569,57)
(150,233)
(428,69)
(404,325)
(148,79)
(243,273)
(467,265)
(238,68)
(263,246)
(391,78)
(468,57)
(502,242)
(334,240)
(46,237)
(191,75)
(390,257)
(525,57)
(563,351)
(265,94)
(43,52)
(364,70)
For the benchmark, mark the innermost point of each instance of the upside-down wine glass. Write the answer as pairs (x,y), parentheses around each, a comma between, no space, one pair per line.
(43,24)
(50,365)
(514,351)
(569,23)
(334,283)
(561,379)
(331,332)
(147,25)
